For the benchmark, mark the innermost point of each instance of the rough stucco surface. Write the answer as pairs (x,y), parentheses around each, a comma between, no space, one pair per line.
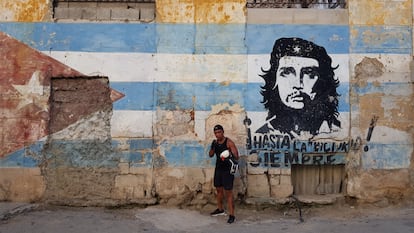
(393,110)
(81,165)
(21,184)
(379,12)
(199,11)
(386,186)
(24,10)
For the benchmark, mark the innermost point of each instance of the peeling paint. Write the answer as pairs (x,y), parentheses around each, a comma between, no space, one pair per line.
(370,105)
(220,11)
(175,11)
(201,11)
(178,124)
(216,109)
(376,84)
(24,10)
(380,12)
(393,112)
(225,83)
(399,112)
(369,67)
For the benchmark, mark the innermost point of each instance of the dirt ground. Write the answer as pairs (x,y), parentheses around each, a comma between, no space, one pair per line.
(249,218)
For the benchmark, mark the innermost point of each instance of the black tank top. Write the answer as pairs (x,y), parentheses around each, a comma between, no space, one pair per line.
(220,164)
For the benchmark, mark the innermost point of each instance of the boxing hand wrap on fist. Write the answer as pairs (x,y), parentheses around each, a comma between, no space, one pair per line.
(213,144)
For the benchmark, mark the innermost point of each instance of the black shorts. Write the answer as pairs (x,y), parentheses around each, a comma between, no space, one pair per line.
(223,179)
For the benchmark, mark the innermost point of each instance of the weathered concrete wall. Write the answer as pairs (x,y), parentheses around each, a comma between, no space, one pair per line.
(25,10)
(143,136)
(79,163)
(381,97)
(21,184)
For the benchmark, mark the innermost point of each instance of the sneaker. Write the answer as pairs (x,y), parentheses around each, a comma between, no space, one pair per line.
(231,219)
(218,212)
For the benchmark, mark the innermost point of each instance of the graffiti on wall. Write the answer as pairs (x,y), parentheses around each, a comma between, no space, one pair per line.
(282,150)
(301,99)
(370,130)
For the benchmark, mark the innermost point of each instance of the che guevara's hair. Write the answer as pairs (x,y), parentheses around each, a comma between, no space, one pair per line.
(324,107)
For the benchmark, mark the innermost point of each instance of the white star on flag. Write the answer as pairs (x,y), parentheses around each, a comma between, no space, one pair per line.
(33,92)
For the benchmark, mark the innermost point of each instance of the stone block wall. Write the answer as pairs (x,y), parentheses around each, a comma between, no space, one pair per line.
(104,11)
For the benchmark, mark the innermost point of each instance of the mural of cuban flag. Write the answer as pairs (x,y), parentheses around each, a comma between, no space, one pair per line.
(26,78)
(181,65)
(163,69)
(189,61)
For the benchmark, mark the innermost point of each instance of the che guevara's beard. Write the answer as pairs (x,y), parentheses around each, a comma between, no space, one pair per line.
(287,119)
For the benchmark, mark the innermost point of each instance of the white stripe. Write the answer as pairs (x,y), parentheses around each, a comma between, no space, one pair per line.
(386,135)
(200,118)
(395,67)
(144,67)
(118,67)
(132,124)
(201,68)
(140,123)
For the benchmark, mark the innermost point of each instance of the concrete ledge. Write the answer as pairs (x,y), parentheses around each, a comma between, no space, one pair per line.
(320,199)
(266,201)
(305,199)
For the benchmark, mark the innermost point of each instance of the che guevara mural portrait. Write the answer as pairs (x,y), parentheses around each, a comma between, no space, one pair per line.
(300,97)
(300,89)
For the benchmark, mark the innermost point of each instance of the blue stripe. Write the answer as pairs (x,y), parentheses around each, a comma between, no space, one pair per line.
(138,96)
(198,96)
(80,153)
(186,154)
(387,156)
(29,156)
(176,38)
(174,96)
(18,159)
(385,88)
(220,39)
(261,37)
(381,39)
(85,37)
(201,38)
(205,38)
(138,152)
